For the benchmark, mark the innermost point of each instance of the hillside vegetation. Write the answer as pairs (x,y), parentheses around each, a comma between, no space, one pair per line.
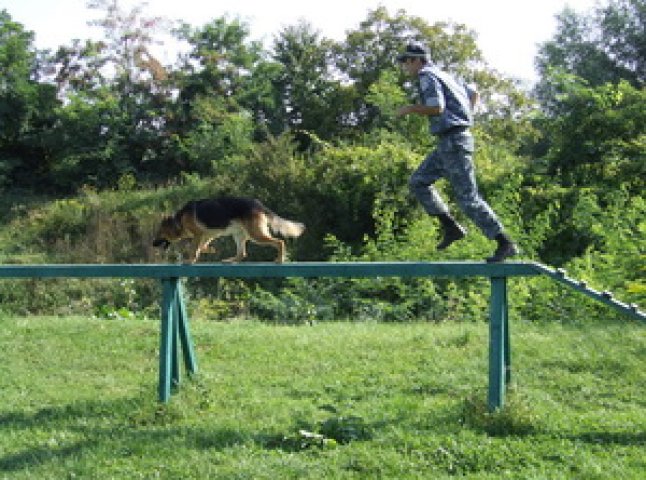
(99,140)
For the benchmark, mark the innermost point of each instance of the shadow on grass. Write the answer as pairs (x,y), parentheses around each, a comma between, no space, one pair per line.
(519,419)
(610,438)
(119,427)
(49,416)
(139,423)
(40,455)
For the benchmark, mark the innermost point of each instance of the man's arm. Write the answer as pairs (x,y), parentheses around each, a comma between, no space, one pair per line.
(419,109)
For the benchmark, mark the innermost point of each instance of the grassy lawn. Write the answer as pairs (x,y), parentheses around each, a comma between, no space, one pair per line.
(333,400)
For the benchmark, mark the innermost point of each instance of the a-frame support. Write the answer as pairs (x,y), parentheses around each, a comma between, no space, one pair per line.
(175,336)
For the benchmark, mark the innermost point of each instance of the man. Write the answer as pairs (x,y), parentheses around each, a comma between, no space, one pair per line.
(449,106)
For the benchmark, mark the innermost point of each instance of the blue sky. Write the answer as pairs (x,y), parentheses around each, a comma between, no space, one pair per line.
(507,30)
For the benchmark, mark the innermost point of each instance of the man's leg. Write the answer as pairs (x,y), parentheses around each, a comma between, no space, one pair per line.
(421,185)
(461,174)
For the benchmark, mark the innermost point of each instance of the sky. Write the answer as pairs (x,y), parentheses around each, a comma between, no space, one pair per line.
(507,31)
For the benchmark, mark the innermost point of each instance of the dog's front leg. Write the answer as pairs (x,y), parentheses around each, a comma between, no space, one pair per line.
(195,250)
(208,248)
(205,246)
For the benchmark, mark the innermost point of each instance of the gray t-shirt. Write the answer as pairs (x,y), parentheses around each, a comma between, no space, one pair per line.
(439,89)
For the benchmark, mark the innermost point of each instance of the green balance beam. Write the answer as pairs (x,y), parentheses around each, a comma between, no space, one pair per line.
(175,335)
(265,270)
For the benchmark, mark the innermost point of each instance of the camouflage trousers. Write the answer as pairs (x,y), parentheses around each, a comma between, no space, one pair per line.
(453,160)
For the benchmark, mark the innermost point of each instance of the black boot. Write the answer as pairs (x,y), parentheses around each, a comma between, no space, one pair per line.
(506,248)
(453,231)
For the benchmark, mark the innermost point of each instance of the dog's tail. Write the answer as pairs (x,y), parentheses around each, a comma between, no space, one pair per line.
(284,227)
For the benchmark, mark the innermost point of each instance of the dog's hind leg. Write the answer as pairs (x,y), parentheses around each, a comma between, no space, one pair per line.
(259,233)
(241,248)
(277,243)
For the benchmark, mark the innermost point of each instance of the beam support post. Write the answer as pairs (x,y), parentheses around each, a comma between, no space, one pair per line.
(499,345)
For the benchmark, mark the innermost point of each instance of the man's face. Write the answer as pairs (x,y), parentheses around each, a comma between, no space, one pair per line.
(411,66)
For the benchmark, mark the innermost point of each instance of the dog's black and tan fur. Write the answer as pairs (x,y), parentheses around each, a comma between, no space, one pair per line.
(243,218)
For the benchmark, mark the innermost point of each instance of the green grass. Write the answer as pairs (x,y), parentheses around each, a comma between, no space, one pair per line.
(333,400)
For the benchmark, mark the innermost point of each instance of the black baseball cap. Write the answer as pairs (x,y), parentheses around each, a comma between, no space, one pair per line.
(413,50)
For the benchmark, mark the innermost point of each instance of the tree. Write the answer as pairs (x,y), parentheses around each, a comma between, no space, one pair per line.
(606,45)
(591,91)
(598,135)
(623,32)
(119,91)
(16,88)
(311,100)
(25,105)
(373,47)
(127,49)
(219,63)
(370,50)
(213,116)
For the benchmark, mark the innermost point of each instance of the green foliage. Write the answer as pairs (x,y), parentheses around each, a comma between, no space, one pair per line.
(386,96)
(286,308)
(158,122)
(306,85)
(601,46)
(598,134)
(17,90)
(515,418)
(310,129)
(26,106)
(211,146)
(116,298)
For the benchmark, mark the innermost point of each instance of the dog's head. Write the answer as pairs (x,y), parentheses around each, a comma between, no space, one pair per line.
(169,231)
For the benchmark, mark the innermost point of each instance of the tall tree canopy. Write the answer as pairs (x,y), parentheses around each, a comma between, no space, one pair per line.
(606,45)
(26,105)
(592,94)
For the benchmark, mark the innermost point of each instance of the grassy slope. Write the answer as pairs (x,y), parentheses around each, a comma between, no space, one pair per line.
(77,400)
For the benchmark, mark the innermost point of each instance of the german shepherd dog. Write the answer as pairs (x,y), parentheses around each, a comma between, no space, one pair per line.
(243,218)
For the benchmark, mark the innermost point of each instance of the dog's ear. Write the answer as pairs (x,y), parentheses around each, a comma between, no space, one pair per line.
(166,220)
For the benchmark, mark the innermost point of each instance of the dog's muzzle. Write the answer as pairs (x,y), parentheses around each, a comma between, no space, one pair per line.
(161,242)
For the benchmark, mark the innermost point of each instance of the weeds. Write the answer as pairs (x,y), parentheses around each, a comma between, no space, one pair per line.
(515,418)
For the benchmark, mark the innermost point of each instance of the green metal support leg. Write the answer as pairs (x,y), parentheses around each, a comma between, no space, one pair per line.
(499,348)
(175,335)
(169,287)
(175,373)
(507,342)
(185,334)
